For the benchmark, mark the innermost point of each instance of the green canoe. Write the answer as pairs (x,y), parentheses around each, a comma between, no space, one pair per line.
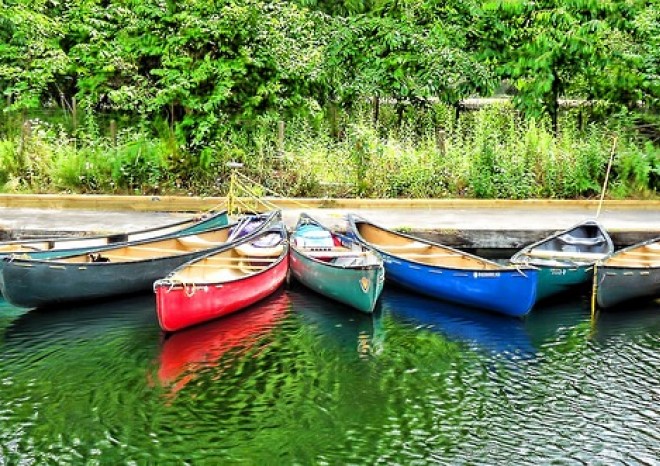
(335,266)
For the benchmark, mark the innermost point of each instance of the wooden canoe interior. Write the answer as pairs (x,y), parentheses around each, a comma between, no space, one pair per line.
(229,265)
(18,248)
(151,250)
(418,251)
(647,255)
(88,242)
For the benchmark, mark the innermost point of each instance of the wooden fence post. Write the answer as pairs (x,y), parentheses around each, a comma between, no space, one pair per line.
(376,104)
(280,138)
(113,133)
(74,112)
(440,135)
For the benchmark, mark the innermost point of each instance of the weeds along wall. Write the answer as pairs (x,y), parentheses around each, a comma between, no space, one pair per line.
(417,153)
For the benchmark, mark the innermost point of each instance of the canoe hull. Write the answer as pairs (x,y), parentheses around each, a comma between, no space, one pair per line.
(359,288)
(34,283)
(616,285)
(180,306)
(554,281)
(127,268)
(508,292)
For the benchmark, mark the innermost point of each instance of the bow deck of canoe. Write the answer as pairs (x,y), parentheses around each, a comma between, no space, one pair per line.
(491,224)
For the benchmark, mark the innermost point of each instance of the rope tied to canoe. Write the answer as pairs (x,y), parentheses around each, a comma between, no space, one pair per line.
(189,289)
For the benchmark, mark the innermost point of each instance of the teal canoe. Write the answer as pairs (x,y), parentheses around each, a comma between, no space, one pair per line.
(49,248)
(629,274)
(335,266)
(566,259)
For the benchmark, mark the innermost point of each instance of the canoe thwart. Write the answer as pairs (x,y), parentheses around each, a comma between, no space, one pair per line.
(567,238)
(406,248)
(566,254)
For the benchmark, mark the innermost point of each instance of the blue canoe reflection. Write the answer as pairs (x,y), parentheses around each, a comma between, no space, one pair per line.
(479,329)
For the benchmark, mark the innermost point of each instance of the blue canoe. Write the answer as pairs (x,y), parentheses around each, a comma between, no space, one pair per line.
(449,274)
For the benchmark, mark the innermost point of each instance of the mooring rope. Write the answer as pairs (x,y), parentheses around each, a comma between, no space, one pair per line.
(607,176)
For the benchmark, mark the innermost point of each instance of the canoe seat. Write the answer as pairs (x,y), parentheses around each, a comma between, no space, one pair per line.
(334,252)
(414,247)
(544,254)
(195,241)
(577,241)
(249,250)
(632,261)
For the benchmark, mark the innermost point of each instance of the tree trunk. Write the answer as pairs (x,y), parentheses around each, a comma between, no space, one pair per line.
(376,104)
(554,105)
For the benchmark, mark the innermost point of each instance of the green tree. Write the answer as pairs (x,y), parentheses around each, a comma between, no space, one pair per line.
(410,51)
(30,55)
(552,49)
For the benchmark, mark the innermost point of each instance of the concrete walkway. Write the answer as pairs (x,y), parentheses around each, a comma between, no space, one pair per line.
(494,224)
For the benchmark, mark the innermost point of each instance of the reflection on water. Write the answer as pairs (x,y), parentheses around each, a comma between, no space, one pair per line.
(186,352)
(479,329)
(628,321)
(335,325)
(310,381)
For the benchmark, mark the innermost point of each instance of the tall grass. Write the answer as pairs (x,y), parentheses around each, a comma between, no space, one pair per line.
(490,153)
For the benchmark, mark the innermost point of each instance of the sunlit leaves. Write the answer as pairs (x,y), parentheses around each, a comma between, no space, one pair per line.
(30,55)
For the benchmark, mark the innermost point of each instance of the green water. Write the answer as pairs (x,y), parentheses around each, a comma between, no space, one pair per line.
(300,380)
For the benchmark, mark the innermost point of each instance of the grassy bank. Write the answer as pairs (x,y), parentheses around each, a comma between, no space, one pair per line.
(485,154)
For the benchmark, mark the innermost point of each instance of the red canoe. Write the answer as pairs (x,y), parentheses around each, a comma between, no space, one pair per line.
(224,281)
(189,351)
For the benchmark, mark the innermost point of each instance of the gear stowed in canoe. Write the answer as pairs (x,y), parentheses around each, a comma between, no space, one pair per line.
(565,259)
(124,269)
(446,273)
(223,281)
(336,266)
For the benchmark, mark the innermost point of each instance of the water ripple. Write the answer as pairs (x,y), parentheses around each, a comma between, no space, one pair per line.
(312,382)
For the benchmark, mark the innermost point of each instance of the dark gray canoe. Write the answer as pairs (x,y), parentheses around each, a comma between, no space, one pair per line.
(630,273)
(125,269)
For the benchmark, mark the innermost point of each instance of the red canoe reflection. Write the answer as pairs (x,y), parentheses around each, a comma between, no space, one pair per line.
(185,352)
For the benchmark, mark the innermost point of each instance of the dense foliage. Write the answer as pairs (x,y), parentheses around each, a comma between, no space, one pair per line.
(144,95)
